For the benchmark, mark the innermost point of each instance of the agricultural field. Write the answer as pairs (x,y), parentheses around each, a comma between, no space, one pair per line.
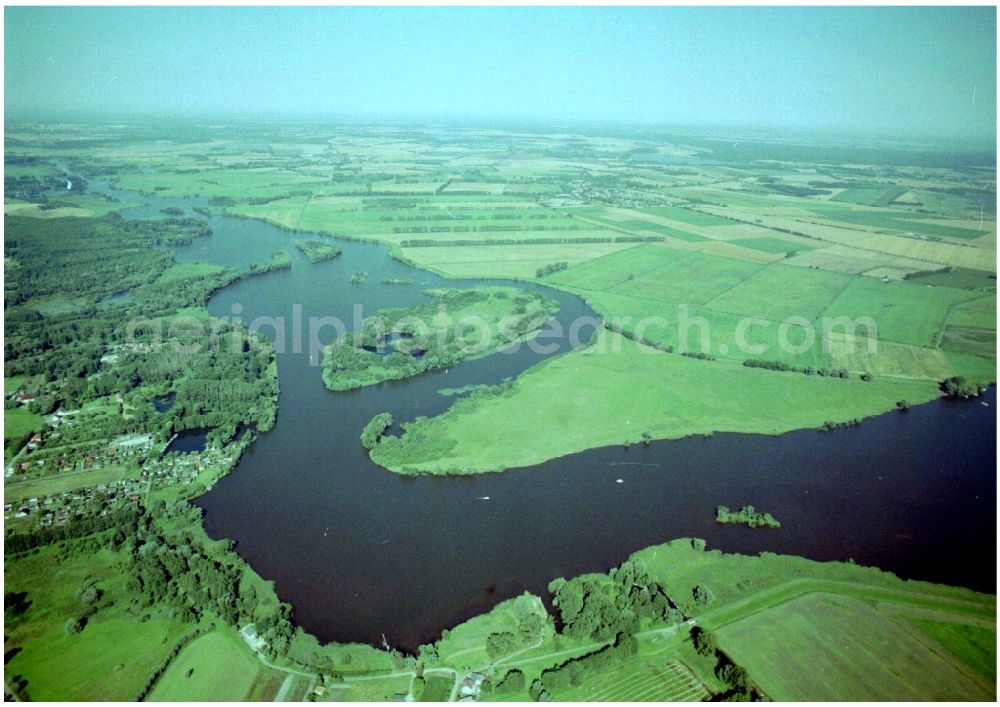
(727,261)
(216,666)
(726,307)
(779,647)
(835,630)
(643,680)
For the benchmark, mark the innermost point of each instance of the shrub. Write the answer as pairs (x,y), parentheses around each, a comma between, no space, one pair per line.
(704,642)
(703,595)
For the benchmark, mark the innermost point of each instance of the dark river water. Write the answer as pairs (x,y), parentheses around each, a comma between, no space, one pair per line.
(359,551)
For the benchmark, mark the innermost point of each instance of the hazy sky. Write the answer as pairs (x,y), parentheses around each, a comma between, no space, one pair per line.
(889,71)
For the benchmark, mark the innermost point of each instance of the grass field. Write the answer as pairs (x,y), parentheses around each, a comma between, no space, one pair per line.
(57,304)
(896,221)
(592,398)
(12,384)
(465,645)
(806,630)
(637,226)
(216,667)
(778,292)
(699,302)
(772,245)
(691,216)
(517,261)
(376,690)
(906,313)
(662,274)
(437,688)
(109,660)
(52,485)
(976,646)
(828,647)
(18,422)
(183,271)
(979,313)
(969,340)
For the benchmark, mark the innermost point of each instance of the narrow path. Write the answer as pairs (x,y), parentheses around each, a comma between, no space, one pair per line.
(283,690)
(517,653)
(290,671)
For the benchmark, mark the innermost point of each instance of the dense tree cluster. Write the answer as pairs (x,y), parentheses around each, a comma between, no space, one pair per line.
(600,608)
(959,387)
(37,187)
(500,643)
(512,683)
(704,641)
(631,335)
(178,575)
(703,596)
(374,429)
(747,515)
(88,525)
(317,250)
(92,348)
(551,268)
(574,672)
(808,370)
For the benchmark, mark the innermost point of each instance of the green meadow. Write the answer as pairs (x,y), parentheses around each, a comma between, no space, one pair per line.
(217,667)
(110,659)
(184,271)
(18,422)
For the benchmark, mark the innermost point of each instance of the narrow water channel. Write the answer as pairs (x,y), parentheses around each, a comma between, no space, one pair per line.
(359,551)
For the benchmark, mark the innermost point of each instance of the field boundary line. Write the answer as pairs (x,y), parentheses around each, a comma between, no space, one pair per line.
(937,649)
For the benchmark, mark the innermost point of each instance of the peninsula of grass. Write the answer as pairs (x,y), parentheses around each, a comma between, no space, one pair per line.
(317,250)
(453,326)
(748,515)
(617,391)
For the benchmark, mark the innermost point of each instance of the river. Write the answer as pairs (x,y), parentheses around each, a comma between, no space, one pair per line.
(359,551)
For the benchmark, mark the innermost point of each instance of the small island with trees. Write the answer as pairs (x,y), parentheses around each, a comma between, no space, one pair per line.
(453,326)
(748,515)
(375,428)
(317,250)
